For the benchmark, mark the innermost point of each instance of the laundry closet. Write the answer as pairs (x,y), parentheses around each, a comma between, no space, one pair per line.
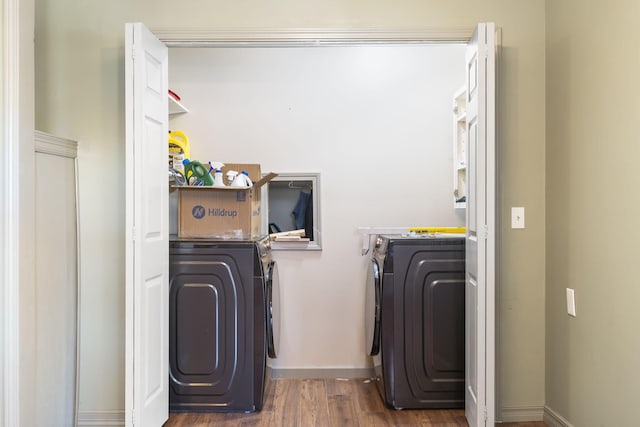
(374,122)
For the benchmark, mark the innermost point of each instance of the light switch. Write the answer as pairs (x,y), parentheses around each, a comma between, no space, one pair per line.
(517,217)
(571,302)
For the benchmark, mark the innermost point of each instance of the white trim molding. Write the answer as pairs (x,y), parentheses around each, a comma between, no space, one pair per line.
(553,419)
(321,373)
(194,37)
(515,414)
(9,232)
(50,144)
(101,418)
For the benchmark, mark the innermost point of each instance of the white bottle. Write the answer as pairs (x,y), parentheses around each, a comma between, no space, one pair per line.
(242,180)
(231,175)
(218,180)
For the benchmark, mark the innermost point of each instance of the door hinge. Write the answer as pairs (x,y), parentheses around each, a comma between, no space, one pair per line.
(484,231)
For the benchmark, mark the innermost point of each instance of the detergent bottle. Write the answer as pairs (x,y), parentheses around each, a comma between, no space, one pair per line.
(242,180)
(197,173)
(178,150)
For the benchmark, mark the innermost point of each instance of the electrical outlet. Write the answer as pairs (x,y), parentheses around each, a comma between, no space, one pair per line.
(571,302)
(517,217)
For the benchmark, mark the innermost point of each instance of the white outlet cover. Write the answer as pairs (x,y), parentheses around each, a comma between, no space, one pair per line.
(517,217)
(571,302)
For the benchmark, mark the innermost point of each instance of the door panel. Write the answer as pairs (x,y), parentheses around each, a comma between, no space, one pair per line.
(472,178)
(480,256)
(147,231)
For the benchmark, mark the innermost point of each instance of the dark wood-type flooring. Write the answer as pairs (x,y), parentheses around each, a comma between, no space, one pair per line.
(326,402)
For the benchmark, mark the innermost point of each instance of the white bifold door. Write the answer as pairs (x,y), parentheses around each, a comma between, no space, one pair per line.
(147,258)
(147,229)
(481,229)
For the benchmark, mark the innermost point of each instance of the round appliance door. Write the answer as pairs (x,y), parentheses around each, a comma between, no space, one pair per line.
(372,309)
(273,310)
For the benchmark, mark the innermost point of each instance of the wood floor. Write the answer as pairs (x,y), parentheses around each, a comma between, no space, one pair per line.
(326,402)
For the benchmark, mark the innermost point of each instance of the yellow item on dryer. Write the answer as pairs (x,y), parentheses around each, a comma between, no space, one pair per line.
(434,230)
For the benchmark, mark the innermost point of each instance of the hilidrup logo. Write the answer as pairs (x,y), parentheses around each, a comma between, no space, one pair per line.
(200,212)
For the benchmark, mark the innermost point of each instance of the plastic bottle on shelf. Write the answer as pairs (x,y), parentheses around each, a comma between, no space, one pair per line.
(242,180)
(231,175)
(218,180)
(196,173)
(178,150)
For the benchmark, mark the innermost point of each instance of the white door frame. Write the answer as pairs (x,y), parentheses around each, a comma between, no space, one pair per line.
(16,115)
(315,37)
(289,37)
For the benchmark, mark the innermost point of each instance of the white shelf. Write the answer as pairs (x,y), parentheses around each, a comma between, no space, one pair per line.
(176,107)
(459,147)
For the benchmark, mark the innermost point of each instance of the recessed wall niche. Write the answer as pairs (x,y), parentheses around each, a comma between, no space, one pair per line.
(292,205)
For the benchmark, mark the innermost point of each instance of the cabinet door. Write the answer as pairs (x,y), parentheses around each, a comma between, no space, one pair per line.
(147,229)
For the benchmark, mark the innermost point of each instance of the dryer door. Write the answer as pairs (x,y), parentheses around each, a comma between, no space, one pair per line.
(372,309)
(273,310)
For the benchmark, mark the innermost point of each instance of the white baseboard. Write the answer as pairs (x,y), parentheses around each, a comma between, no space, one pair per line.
(553,419)
(320,373)
(517,414)
(101,418)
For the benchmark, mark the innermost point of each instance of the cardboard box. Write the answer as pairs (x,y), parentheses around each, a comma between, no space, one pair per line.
(222,212)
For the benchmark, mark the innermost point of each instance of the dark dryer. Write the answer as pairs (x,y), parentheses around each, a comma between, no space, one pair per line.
(415,320)
(223,318)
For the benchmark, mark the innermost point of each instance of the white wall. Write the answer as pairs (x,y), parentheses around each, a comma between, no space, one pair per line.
(375,121)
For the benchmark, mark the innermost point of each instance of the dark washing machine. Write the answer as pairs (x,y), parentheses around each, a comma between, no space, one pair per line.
(415,320)
(224,323)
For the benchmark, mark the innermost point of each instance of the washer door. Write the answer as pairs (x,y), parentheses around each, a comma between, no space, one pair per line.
(372,309)
(273,310)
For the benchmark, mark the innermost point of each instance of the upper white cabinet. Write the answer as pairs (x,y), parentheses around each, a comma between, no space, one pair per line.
(460,148)
(175,106)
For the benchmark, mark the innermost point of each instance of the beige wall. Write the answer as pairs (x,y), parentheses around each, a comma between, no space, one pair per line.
(80,95)
(592,210)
